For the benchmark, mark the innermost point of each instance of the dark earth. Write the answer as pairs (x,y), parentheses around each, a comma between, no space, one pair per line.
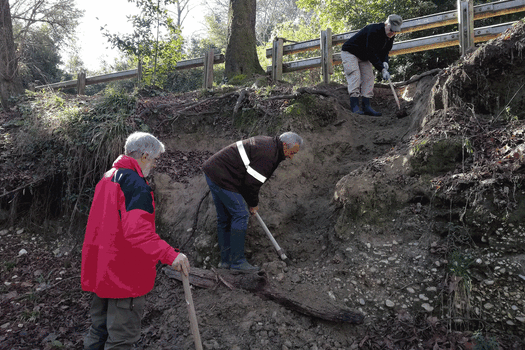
(413,219)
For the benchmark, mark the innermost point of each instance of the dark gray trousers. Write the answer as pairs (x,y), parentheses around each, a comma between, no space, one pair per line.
(115,323)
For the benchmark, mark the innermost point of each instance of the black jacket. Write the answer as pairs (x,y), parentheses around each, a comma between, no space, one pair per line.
(370,44)
(226,169)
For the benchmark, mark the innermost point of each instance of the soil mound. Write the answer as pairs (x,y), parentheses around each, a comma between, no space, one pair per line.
(415,223)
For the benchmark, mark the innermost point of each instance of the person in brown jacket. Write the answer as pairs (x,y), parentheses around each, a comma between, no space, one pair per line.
(235,175)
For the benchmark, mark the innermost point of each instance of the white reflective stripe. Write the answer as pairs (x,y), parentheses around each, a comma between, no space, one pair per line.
(255,174)
(243,154)
(246,162)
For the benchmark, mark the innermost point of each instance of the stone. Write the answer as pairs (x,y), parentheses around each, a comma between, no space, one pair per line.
(427,307)
(389,303)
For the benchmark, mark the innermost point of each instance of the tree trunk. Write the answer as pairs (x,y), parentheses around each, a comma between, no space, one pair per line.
(241,54)
(304,301)
(10,83)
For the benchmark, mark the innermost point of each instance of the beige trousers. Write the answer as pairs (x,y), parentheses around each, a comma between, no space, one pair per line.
(359,75)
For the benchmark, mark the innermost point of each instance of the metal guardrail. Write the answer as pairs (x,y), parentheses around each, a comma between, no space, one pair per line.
(411,25)
(198,62)
(414,45)
(127,74)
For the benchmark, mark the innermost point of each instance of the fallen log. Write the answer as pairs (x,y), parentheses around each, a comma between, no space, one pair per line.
(305,303)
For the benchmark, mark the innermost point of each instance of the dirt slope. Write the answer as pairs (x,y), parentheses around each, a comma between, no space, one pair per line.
(378,215)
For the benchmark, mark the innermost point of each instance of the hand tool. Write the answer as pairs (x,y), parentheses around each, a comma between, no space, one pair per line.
(274,242)
(395,95)
(191,311)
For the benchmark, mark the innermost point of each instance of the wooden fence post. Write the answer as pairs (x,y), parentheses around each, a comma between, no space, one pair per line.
(208,69)
(466,25)
(139,73)
(327,64)
(81,83)
(277,59)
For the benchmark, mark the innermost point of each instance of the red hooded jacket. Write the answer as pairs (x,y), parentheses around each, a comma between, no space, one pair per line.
(121,248)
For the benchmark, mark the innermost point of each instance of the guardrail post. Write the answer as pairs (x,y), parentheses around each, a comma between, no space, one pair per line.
(81,83)
(277,59)
(139,73)
(466,25)
(327,64)
(208,69)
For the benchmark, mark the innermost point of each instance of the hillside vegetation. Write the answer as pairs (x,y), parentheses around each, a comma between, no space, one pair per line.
(415,222)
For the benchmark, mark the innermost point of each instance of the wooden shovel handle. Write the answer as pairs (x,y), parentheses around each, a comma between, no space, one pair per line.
(191,311)
(394,92)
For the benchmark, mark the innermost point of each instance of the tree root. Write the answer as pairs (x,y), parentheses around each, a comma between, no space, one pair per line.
(306,303)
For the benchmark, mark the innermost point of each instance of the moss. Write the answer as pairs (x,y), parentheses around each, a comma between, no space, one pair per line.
(437,157)
(238,79)
(312,110)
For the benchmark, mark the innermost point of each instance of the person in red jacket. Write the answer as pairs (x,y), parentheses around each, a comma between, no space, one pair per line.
(235,175)
(121,248)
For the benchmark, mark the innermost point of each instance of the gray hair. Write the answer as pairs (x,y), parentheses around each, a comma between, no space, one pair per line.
(291,138)
(139,143)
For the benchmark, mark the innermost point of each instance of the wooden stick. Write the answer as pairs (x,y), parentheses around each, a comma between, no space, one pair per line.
(191,311)
(394,92)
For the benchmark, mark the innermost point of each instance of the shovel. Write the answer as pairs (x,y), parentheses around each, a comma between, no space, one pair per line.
(268,233)
(191,311)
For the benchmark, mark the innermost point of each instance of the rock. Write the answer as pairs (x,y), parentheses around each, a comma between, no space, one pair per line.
(295,278)
(411,290)
(427,307)
(22,252)
(488,306)
(210,344)
(389,303)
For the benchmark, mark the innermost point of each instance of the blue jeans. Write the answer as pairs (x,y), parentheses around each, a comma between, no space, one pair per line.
(232,221)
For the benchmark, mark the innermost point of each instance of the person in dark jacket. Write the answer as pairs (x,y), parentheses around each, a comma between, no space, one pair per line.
(366,49)
(121,248)
(235,175)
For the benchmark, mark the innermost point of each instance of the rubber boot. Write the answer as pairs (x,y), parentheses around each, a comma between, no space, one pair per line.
(238,261)
(354,105)
(224,246)
(367,109)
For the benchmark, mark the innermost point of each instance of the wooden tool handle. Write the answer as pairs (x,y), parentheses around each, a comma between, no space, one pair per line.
(191,311)
(395,95)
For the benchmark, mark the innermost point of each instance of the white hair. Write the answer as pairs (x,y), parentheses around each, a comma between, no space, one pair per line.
(291,139)
(139,143)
